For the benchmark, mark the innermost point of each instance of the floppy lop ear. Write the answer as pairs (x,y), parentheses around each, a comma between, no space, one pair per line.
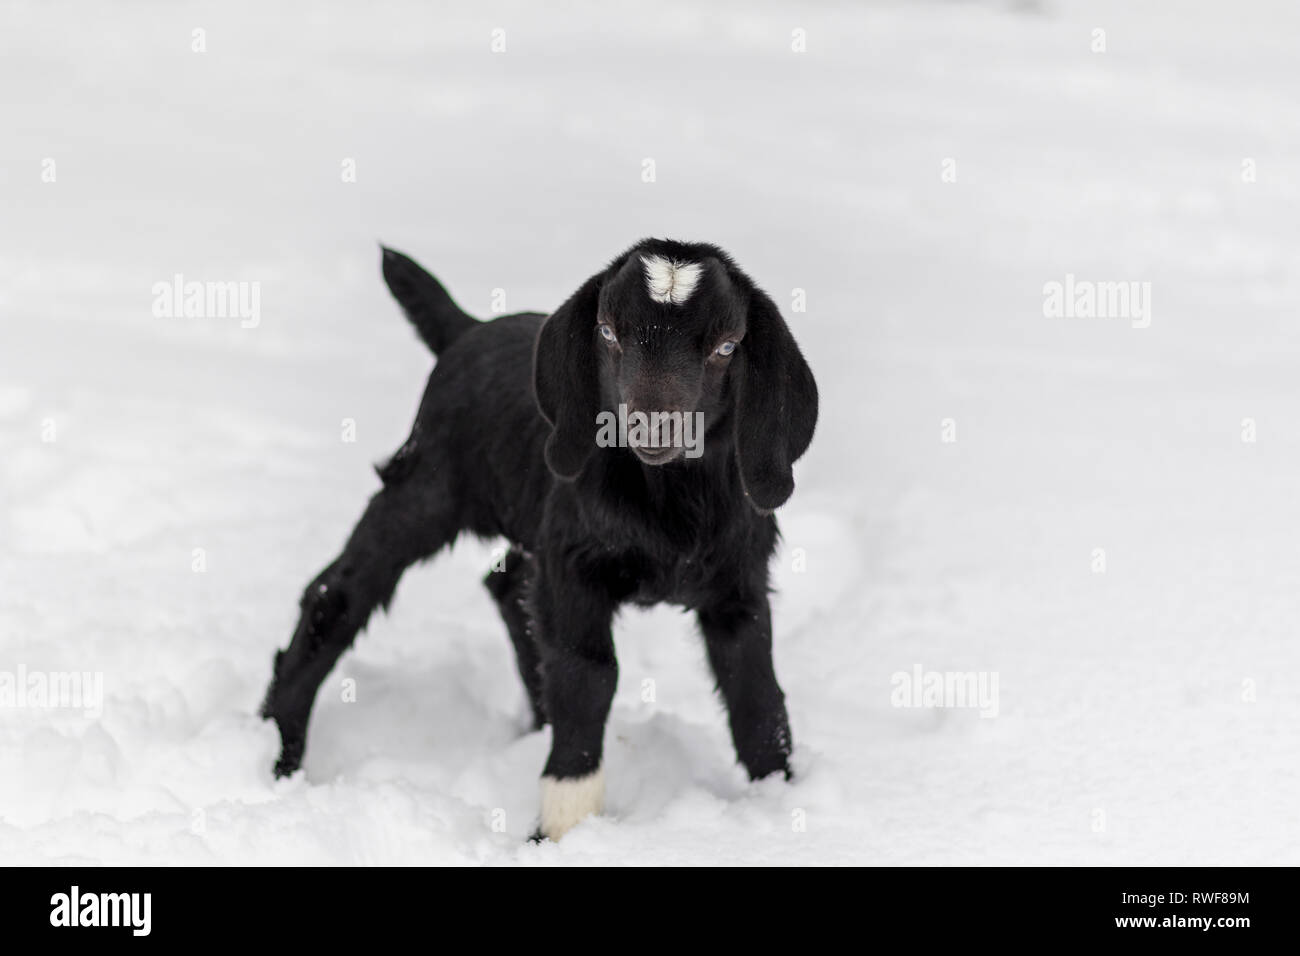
(776,406)
(565,380)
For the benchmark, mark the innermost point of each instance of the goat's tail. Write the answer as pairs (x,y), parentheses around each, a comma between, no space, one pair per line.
(435,315)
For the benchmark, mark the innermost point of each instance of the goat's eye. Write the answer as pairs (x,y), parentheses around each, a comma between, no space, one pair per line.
(726,348)
(608,333)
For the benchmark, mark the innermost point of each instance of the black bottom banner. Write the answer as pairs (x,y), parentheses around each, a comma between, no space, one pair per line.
(338,906)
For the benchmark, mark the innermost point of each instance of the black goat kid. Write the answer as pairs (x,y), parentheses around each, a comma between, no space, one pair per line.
(631,447)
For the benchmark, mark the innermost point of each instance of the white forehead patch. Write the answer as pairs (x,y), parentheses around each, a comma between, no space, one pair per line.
(670,280)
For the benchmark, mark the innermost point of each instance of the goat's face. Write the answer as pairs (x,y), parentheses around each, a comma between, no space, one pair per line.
(670,338)
(666,331)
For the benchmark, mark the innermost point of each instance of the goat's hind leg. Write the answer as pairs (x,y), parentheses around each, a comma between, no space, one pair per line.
(403,523)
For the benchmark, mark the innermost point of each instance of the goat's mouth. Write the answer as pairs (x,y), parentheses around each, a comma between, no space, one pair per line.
(656,456)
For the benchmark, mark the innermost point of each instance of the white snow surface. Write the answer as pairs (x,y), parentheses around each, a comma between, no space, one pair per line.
(1149,714)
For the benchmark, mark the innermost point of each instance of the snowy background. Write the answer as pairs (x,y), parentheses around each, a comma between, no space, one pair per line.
(1147,714)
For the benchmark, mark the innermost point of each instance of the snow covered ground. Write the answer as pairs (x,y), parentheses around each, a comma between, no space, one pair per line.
(1147,713)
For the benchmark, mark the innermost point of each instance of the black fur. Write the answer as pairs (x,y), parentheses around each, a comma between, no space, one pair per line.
(592,528)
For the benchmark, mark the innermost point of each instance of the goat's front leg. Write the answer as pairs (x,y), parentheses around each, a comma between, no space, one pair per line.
(738,635)
(579,674)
